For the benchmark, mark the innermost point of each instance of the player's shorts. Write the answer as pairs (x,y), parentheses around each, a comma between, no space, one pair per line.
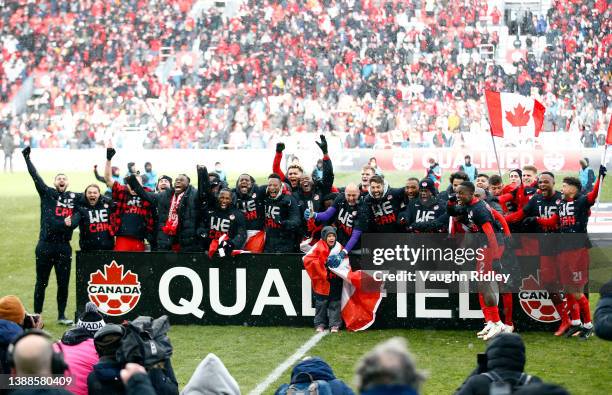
(124,243)
(574,267)
(549,270)
(485,265)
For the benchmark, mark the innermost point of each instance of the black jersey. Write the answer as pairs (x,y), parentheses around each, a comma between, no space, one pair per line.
(94,226)
(383,212)
(252,206)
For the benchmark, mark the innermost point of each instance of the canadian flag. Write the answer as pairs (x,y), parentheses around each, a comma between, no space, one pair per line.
(609,136)
(361,294)
(510,113)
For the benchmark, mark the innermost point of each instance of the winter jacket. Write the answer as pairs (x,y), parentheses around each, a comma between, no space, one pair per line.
(281,223)
(211,377)
(105,378)
(8,331)
(251,205)
(603,313)
(94,222)
(318,369)
(506,357)
(390,390)
(188,212)
(80,355)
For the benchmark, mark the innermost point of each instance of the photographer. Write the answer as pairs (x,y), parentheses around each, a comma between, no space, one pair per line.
(13,320)
(501,365)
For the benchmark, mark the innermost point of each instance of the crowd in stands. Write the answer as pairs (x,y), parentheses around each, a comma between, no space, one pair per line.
(406,73)
(103,358)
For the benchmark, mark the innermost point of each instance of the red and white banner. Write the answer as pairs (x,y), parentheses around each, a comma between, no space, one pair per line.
(513,114)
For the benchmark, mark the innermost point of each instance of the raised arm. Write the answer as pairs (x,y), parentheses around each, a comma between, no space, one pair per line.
(276,164)
(108,173)
(327,181)
(204,193)
(592,196)
(40,185)
(97,175)
(150,197)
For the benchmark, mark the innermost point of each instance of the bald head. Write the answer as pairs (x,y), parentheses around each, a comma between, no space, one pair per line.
(480,193)
(351,192)
(32,355)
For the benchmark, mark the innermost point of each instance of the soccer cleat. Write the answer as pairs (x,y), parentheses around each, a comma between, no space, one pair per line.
(495,330)
(585,333)
(565,325)
(320,328)
(334,329)
(574,330)
(64,321)
(508,328)
(485,330)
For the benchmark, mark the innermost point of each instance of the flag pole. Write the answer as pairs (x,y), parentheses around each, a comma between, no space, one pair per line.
(603,162)
(495,150)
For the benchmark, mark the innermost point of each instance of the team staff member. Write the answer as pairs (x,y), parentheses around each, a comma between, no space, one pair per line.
(132,219)
(282,217)
(53,250)
(223,228)
(178,211)
(93,220)
(426,213)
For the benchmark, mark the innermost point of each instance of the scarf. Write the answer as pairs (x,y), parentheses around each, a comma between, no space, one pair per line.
(172,222)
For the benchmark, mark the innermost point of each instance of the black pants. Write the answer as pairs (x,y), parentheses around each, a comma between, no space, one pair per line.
(49,256)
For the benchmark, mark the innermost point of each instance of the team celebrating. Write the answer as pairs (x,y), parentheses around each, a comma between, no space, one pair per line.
(294,211)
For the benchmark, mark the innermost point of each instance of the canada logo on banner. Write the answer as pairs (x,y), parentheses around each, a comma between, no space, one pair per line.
(114,292)
(512,114)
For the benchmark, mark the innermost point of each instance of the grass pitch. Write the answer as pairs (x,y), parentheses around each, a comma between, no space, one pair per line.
(251,354)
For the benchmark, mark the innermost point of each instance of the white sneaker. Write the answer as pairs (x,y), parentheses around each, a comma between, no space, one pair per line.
(508,328)
(485,330)
(497,328)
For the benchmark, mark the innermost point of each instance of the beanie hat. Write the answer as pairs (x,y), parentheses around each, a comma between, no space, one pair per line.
(108,339)
(428,184)
(326,231)
(11,309)
(91,319)
(165,177)
(506,351)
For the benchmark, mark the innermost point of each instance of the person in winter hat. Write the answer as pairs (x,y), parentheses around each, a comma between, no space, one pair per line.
(211,377)
(12,314)
(11,309)
(105,378)
(603,313)
(315,368)
(327,287)
(77,344)
(504,360)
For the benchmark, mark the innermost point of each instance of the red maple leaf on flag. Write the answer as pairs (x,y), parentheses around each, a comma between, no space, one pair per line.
(519,117)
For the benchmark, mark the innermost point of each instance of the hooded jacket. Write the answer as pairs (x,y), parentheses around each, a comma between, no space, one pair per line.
(8,331)
(281,223)
(105,378)
(251,205)
(80,355)
(318,369)
(211,377)
(506,357)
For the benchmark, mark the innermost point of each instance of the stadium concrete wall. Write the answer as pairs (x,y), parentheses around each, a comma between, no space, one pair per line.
(266,290)
(344,160)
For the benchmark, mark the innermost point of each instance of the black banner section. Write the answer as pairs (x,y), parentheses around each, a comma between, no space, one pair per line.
(268,290)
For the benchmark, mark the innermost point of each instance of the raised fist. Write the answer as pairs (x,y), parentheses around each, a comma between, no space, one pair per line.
(26,152)
(110,152)
(280,147)
(602,171)
(322,144)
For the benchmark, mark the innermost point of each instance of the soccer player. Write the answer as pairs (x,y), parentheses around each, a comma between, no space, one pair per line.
(93,220)
(224,228)
(455,180)
(482,181)
(544,205)
(474,216)
(411,191)
(349,216)
(367,173)
(53,250)
(282,218)
(434,171)
(178,213)
(383,204)
(572,218)
(294,171)
(132,219)
(530,176)
(249,198)
(425,214)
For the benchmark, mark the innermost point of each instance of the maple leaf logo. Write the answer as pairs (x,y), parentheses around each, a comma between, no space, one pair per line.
(519,117)
(113,274)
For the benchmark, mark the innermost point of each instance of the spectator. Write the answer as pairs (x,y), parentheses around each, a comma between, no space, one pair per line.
(220,172)
(8,147)
(541,389)
(12,316)
(211,377)
(374,165)
(151,176)
(503,360)
(389,369)
(313,369)
(603,313)
(77,345)
(105,379)
(317,172)
(586,175)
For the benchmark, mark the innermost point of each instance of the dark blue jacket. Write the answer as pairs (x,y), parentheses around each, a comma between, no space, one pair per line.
(319,370)
(390,390)
(8,331)
(603,313)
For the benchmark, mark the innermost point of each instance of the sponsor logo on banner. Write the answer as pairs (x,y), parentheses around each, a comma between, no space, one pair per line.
(114,292)
(535,301)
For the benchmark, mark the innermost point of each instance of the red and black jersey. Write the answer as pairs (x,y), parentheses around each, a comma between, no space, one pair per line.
(425,216)
(54,207)
(383,212)
(230,221)
(252,206)
(132,216)
(94,226)
(281,224)
(538,206)
(346,219)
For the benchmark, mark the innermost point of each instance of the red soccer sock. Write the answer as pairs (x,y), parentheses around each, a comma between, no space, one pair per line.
(492,312)
(507,300)
(585,309)
(562,310)
(483,307)
(573,308)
